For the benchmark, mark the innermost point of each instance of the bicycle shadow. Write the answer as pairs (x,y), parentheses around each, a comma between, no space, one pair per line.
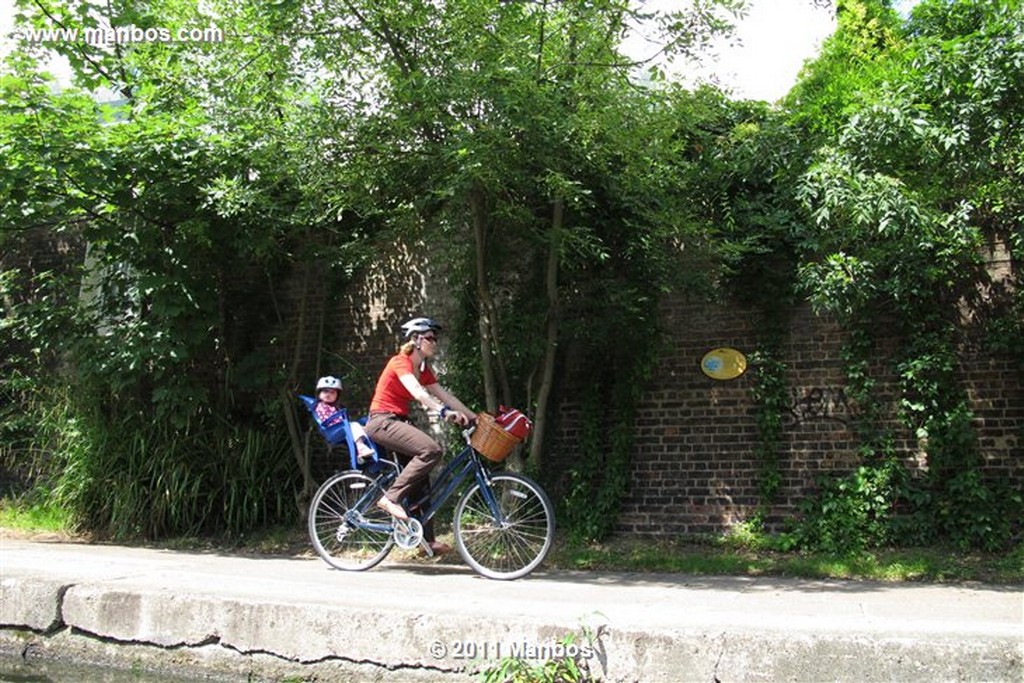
(427,568)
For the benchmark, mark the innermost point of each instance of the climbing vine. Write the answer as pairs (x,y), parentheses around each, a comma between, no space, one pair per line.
(599,479)
(857,510)
(769,395)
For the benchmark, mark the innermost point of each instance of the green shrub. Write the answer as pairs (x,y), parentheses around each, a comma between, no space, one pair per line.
(853,512)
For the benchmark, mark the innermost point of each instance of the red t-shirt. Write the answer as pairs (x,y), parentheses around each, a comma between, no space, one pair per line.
(391,396)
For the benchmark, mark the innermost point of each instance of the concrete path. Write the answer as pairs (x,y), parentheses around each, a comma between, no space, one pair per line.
(271,618)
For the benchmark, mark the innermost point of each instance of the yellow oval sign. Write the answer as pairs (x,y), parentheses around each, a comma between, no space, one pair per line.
(723,363)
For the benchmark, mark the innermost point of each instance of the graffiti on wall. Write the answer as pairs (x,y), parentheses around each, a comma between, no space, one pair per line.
(808,404)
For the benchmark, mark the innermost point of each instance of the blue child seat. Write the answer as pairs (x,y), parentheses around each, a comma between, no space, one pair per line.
(336,431)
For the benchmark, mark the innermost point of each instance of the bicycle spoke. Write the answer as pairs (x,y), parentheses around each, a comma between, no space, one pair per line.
(515,541)
(347,530)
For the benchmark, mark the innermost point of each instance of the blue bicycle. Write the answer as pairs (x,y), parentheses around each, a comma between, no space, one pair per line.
(504,523)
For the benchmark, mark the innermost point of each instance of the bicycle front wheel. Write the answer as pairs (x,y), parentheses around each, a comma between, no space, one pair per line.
(347,529)
(511,543)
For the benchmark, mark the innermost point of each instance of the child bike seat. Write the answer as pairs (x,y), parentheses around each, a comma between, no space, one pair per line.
(336,432)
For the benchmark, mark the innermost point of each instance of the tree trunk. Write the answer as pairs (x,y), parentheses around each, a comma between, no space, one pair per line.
(551,336)
(288,403)
(496,386)
(477,211)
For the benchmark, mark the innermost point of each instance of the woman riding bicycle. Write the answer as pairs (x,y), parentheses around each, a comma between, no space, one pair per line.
(407,377)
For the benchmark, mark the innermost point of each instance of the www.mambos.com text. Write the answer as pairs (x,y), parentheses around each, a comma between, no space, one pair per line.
(122,35)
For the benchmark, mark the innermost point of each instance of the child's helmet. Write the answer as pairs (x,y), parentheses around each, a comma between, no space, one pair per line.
(328,383)
(419,326)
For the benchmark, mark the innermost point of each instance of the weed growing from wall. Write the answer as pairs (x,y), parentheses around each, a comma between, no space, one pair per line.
(567,660)
(953,501)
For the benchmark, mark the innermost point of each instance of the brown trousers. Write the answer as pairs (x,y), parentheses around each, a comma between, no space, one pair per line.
(416,452)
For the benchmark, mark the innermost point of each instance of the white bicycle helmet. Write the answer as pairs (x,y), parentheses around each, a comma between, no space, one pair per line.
(419,326)
(328,382)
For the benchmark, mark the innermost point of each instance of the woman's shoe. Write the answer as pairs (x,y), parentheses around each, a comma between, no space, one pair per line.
(438,548)
(393,509)
(364,454)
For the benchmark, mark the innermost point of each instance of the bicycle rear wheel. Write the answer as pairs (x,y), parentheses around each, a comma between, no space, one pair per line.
(514,543)
(347,529)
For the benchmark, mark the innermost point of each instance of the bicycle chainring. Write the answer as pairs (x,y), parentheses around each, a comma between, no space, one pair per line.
(408,533)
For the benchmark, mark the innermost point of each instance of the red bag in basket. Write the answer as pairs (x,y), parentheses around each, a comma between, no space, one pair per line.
(514,422)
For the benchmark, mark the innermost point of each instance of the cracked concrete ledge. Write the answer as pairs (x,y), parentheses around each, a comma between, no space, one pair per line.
(270,640)
(210,662)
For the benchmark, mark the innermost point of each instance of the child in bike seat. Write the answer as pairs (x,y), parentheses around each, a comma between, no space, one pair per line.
(328,390)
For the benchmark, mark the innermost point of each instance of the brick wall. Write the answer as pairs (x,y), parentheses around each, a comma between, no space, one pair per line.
(997,398)
(361,320)
(695,468)
(37,250)
(360,329)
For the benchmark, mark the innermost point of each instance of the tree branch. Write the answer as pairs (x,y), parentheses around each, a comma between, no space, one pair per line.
(85,55)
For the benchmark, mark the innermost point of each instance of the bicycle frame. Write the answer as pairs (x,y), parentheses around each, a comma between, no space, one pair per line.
(444,486)
(451,477)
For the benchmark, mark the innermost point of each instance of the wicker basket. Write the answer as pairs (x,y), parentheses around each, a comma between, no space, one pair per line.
(490,440)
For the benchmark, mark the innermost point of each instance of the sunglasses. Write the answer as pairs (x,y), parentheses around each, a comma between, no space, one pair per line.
(429,339)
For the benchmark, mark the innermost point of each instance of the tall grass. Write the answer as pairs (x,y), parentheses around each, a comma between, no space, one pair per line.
(26,446)
(259,480)
(132,477)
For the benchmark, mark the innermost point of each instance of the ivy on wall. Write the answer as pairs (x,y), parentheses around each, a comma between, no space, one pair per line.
(769,394)
(600,477)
